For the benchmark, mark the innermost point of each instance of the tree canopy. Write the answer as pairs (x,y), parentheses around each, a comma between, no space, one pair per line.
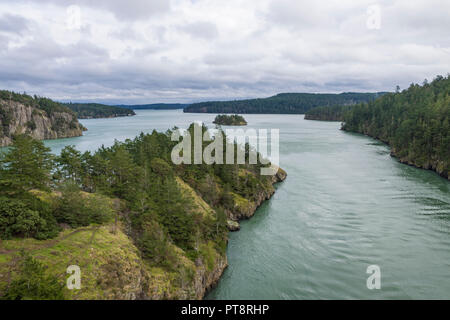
(230,120)
(290,103)
(96,110)
(46,104)
(168,210)
(414,122)
(329,113)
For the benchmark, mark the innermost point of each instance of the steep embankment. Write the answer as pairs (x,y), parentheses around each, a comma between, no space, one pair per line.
(38,117)
(414,122)
(245,208)
(169,221)
(112,265)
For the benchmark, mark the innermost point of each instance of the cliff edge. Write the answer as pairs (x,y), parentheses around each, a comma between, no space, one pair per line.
(40,118)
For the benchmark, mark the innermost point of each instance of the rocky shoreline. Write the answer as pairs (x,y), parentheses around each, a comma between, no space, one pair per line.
(145,285)
(211,280)
(431,165)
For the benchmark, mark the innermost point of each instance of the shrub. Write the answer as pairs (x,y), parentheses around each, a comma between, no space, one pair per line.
(79,209)
(155,245)
(17,219)
(26,217)
(33,283)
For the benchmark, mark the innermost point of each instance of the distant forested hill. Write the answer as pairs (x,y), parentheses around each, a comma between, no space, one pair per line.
(96,110)
(155,106)
(329,113)
(291,103)
(414,122)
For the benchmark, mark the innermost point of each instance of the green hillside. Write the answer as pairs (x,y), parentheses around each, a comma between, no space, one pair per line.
(139,226)
(414,122)
(289,103)
(96,110)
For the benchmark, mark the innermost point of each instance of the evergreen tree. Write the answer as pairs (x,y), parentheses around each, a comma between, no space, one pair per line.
(70,164)
(414,122)
(33,283)
(26,166)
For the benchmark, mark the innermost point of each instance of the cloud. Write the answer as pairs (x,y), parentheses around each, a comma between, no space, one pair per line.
(183,50)
(14,24)
(200,29)
(127,10)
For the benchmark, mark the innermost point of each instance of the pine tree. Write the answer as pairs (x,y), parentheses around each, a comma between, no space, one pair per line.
(26,166)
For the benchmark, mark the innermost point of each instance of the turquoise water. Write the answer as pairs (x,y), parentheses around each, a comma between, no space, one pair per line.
(345,205)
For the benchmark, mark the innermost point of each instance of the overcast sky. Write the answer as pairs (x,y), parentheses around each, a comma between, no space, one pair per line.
(147,51)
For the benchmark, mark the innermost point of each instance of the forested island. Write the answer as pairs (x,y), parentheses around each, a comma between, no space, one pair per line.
(138,226)
(230,120)
(97,110)
(36,116)
(283,103)
(414,122)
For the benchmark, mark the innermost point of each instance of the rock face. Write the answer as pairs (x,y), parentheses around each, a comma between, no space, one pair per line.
(280,176)
(206,279)
(233,225)
(18,118)
(245,209)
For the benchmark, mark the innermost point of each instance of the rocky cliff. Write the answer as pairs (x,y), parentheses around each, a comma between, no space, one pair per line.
(245,208)
(18,117)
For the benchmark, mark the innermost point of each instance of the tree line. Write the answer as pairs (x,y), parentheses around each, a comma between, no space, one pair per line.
(96,110)
(329,113)
(46,104)
(283,103)
(414,122)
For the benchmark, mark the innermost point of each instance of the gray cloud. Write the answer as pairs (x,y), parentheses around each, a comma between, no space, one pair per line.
(201,29)
(14,24)
(136,9)
(150,51)
(127,10)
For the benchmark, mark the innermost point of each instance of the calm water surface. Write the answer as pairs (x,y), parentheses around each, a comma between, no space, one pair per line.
(345,205)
